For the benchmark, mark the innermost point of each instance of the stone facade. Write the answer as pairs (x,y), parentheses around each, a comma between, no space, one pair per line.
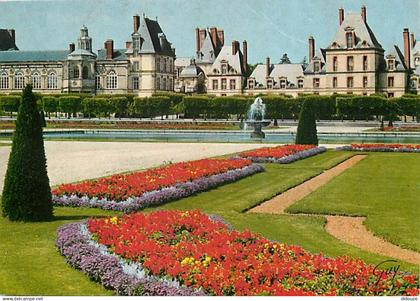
(143,67)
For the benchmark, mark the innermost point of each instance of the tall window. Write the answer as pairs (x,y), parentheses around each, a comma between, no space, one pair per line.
(224,68)
(282,84)
(270,84)
(36,80)
(365,81)
(335,82)
(158,64)
(98,82)
(224,84)
(136,66)
(158,83)
(349,39)
(111,80)
(164,84)
(85,72)
(136,43)
(350,63)
(316,67)
(232,84)
(251,84)
(316,82)
(390,82)
(391,65)
(19,80)
(365,63)
(349,82)
(335,64)
(52,80)
(4,80)
(300,83)
(135,80)
(215,84)
(76,72)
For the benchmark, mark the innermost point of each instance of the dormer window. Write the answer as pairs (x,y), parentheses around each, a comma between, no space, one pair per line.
(350,39)
(391,65)
(317,66)
(224,68)
(283,84)
(300,83)
(136,43)
(416,61)
(269,84)
(251,84)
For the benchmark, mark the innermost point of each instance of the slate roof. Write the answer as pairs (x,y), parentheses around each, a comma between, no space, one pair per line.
(153,38)
(415,51)
(290,71)
(192,70)
(6,41)
(207,52)
(119,55)
(234,60)
(320,55)
(362,32)
(182,61)
(399,58)
(33,56)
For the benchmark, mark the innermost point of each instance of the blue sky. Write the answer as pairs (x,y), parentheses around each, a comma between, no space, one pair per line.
(271,27)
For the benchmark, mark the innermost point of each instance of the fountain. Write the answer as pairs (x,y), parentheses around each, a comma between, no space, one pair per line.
(255,118)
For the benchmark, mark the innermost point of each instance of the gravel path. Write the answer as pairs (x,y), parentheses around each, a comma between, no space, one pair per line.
(351,230)
(70,161)
(278,204)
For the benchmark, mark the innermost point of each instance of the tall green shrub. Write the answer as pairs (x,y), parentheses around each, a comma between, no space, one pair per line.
(26,192)
(10,103)
(306,131)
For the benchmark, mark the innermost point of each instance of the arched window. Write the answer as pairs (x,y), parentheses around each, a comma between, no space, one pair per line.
(111,80)
(19,80)
(76,72)
(98,82)
(4,80)
(52,80)
(85,72)
(36,80)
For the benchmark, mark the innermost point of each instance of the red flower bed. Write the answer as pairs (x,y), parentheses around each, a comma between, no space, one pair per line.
(120,187)
(276,152)
(200,252)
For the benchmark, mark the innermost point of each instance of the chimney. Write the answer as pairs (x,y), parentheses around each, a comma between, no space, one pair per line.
(235,47)
(221,34)
(340,16)
(136,23)
(267,67)
(109,46)
(406,37)
(197,39)
(311,46)
(72,47)
(245,55)
(364,13)
(203,34)
(128,44)
(412,40)
(213,35)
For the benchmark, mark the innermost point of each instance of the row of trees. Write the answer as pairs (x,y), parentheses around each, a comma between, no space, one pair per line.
(277,107)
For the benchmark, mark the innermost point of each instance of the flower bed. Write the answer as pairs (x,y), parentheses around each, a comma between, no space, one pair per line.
(130,192)
(376,147)
(282,154)
(189,253)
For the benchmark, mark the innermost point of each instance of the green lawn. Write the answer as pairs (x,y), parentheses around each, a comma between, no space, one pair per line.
(385,187)
(28,254)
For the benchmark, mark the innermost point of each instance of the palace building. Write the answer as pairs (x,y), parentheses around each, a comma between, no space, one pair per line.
(144,66)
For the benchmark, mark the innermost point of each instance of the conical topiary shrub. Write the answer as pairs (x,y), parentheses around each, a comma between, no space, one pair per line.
(306,131)
(26,192)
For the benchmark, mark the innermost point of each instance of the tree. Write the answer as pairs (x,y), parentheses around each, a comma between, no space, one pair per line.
(304,62)
(285,59)
(26,192)
(306,131)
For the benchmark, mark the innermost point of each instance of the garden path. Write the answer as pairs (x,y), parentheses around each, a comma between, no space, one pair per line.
(349,229)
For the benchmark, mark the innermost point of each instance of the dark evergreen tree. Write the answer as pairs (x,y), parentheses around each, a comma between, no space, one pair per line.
(26,192)
(306,131)
(42,119)
(285,59)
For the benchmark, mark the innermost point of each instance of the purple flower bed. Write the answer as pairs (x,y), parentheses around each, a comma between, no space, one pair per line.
(158,197)
(378,148)
(75,243)
(291,158)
